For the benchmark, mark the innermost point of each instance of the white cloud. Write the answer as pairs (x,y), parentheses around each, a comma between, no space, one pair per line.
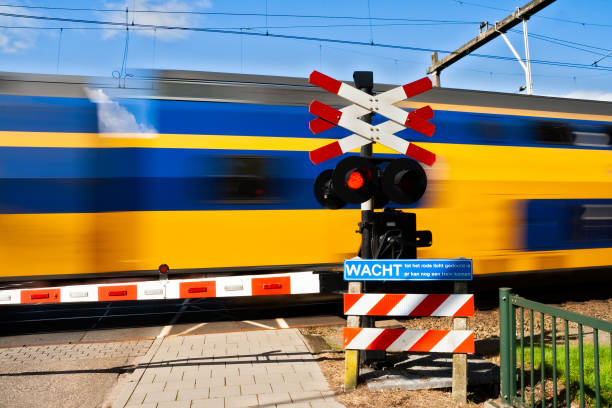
(590,95)
(15,40)
(157,19)
(114,118)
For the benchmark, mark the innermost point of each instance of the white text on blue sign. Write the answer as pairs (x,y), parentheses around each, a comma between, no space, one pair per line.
(408,269)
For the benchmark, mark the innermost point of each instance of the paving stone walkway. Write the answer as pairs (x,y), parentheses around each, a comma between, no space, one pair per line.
(75,351)
(267,368)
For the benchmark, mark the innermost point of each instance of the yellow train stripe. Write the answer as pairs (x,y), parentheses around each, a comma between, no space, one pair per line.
(507,111)
(68,244)
(114,140)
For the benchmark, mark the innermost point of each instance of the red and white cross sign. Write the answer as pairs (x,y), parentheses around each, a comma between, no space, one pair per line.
(365,133)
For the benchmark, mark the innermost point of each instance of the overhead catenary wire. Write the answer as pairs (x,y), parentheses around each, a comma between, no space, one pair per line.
(602,58)
(261,27)
(562,20)
(266,14)
(294,37)
(565,43)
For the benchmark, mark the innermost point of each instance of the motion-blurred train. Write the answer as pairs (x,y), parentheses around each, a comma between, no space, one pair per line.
(209,173)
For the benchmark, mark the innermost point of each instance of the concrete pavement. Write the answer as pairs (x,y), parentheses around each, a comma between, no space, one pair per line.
(65,375)
(270,368)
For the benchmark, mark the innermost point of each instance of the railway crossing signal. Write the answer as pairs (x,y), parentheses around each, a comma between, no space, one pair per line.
(357,179)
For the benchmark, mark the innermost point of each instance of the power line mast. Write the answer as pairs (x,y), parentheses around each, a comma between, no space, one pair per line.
(522,14)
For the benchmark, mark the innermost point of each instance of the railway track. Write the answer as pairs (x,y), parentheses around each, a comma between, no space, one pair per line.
(168,317)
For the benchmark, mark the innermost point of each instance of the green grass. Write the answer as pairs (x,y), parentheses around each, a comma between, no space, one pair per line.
(605,370)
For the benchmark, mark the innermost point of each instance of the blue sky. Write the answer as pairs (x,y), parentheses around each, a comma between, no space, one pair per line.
(88,49)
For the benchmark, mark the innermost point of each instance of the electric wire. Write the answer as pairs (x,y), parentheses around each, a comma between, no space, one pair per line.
(564,43)
(562,20)
(115,10)
(297,37)
(280,27)
(560,43)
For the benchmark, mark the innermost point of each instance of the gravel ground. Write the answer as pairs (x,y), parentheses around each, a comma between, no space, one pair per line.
(485,324)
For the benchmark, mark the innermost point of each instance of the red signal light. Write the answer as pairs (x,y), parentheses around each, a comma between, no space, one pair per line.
(355,180)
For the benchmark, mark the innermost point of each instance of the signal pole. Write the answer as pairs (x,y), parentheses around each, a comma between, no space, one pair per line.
(364,81)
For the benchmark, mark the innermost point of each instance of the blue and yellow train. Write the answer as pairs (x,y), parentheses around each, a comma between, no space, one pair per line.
(209,173)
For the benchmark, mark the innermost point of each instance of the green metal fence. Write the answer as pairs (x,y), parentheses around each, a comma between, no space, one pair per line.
(563,380)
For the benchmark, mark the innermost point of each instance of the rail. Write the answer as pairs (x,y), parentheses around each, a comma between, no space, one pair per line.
(558,364)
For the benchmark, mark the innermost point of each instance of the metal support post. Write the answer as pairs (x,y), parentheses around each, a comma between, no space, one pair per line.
(527,59)
(460,374)
(505,346)
(436,73)
(363,81)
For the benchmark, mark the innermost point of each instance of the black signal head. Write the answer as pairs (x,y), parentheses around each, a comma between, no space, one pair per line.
(404,181)
(355,179)
(324,191)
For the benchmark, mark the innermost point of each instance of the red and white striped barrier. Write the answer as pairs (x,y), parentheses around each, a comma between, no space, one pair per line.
(380,304)
(428,341)
(246,285)
(364,132)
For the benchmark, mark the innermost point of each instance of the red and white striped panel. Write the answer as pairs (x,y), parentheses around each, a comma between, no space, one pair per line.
(354,141)
(246,285)
(380,304)
(380,105)
(374,134)
(429,341)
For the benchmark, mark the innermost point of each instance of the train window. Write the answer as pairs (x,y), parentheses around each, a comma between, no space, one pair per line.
(490,130)
(553,133)
(243,180)
(592,222)
(592,139)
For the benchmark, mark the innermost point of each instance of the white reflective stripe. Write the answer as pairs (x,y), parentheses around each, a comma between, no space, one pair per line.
(234,286)
(393,95)
(390,127)
(407,305)
(451,305)
(369,132)
(151,289)
(363,339)
(406,340)
(364,304)
(355,95)
(173,290)
(354,111)
(451,341)
(355,141)
(79,293)
(12,296)
(396,143)
(305,282)
(364,100)
(352,142)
